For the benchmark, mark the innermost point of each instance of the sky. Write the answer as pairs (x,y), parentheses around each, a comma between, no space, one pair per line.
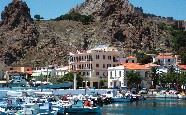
(50,9)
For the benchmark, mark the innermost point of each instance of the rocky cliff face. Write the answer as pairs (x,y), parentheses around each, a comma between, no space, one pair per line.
(17,32)
(117,22)
(104,8)
(125,25)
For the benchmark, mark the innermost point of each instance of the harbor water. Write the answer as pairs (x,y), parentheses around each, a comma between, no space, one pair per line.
(147,107)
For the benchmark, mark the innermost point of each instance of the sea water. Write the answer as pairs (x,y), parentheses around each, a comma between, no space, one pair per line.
(147,107)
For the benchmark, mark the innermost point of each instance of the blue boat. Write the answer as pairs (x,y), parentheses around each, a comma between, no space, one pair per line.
(79,108)
(122,99)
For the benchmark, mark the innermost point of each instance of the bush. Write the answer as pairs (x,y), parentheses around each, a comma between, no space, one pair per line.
(76,17)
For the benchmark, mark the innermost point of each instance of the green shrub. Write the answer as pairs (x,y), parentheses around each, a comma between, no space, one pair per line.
(76,17)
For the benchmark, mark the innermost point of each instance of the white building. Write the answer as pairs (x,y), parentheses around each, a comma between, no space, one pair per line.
(93,64)
(117,76)
(50,71)
(61,71)
(166,59)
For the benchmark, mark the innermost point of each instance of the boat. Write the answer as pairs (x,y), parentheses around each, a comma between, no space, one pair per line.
(182,95)
(167,94)
(121,98)
(79,108)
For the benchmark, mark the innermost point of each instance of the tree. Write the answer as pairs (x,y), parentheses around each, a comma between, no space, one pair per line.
(102,84)
(178,40)
(183,58)
(143,58)
(69,77)
(133,79)
(181,79)
(38,17)
(76,17)
(41,78)
(154,77)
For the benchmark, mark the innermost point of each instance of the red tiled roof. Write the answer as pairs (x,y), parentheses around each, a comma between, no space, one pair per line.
(135,66)
(151,65)
(182,67)
(131,57)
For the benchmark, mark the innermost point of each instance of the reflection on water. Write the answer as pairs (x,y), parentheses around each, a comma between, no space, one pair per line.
(147,107)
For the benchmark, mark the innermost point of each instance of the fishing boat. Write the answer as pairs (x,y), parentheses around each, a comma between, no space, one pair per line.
(79,108)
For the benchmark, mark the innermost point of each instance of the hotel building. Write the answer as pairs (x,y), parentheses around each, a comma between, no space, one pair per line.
(93,64)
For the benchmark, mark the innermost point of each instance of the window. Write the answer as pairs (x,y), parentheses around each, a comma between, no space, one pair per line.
(109,57)
(114,65)
(132,61)
(82,58)
(97,56)
(126,61)
(110,74)
(97,65)
(114,59)
(97,73)
(110,83)
(168,60)
(82,66)
(103,65)
(103,56)
(108,65)
(90,58)
(119,73)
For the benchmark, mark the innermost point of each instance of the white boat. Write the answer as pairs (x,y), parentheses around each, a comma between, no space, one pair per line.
(14,94)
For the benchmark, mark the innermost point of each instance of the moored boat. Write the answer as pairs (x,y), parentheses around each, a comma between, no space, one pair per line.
(80,108)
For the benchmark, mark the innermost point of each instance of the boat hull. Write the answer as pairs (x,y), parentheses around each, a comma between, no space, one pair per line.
(82,110)
(121,99)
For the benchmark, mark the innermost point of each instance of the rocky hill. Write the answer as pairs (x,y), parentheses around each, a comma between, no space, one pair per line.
(17,32)
(38,43)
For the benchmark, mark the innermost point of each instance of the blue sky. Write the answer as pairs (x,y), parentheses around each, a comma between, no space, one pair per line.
(50,9)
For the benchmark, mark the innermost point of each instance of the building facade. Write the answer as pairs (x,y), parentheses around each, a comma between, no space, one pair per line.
(166,59)
(117,76)
(129,59)
(61,71)
(93,64)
